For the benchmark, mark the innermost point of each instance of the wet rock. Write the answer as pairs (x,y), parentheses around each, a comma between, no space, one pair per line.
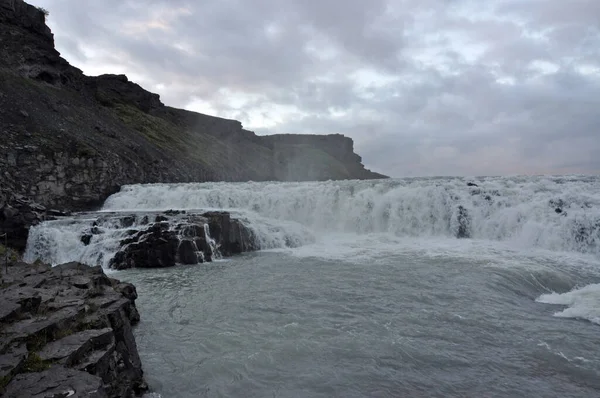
(86,239)
(464,223)
(231,235)
(155,247)
(174,212)
(127,221)
(188,252)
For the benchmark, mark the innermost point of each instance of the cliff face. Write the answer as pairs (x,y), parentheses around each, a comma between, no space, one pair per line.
(69,140)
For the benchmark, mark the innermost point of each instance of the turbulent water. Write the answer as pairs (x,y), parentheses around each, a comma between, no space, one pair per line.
(417,287)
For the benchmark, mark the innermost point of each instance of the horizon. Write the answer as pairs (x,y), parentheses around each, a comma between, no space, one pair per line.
(458,90)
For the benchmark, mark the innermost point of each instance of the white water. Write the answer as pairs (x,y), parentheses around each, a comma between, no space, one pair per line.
(58,242)
(510,220)
(583,303)
(521,210)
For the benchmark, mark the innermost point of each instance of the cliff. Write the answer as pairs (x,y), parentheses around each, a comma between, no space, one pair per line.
(70,140)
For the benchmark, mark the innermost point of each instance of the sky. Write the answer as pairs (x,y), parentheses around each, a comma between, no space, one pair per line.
(424,87)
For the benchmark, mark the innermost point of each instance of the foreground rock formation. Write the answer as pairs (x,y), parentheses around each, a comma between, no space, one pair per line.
(70,140)
(66,331)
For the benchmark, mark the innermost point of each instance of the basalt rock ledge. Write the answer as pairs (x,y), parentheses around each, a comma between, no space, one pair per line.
(67,331)
(70,140)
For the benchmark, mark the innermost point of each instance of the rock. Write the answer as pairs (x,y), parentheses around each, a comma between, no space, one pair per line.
(127,221)
(231,236)
(71,326)
(187,252)
(17,215)
(155,247)
(86,239)
(57,382)
(464,223)
(74,348)
(472,184)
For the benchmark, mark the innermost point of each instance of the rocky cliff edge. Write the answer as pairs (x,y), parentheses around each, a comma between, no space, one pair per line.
(70,140)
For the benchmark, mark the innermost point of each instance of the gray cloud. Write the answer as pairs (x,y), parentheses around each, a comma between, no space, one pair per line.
(424,87)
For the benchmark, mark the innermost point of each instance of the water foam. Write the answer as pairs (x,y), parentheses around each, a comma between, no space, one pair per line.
(583,303)
(59,241)
(556,213)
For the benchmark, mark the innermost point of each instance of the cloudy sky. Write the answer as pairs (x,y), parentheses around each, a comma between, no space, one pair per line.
(424,87)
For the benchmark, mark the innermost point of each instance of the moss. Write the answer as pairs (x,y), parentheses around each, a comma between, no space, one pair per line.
(4,381)
(12,255)
(34,363)
(63,333)
(37,342)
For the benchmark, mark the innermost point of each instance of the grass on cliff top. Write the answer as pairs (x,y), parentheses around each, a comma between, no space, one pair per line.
(200,147)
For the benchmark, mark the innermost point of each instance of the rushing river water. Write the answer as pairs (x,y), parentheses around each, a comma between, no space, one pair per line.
(364,290)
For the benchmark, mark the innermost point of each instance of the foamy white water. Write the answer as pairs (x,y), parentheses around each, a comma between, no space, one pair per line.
(415,287)
(555,213)
(583,303)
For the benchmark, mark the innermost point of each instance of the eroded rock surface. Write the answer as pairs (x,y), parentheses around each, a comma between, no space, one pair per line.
(67,331)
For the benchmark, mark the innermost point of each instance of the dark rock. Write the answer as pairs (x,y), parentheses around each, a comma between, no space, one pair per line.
(231,236)
(472,184)
(96,230)
(160,218)
(74,348)
(86,239)
(12,360)
(127,221)
(77,341)
(17,215)
(155,247)
(558,210)
(58,213)
(57,382)
(188,252)
(464,223)
(174,212)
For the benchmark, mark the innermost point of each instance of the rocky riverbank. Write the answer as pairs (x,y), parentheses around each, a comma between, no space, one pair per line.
(67,331)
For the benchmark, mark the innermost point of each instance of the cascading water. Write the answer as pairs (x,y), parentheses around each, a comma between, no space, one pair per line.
(368,285)
(556,213)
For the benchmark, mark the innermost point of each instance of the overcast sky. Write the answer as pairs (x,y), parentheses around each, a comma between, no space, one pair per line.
(424,87)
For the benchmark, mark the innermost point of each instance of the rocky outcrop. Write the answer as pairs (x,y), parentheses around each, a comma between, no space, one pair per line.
(66,331)
(17,215)
(300,157)
(70,140)
(174,237)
